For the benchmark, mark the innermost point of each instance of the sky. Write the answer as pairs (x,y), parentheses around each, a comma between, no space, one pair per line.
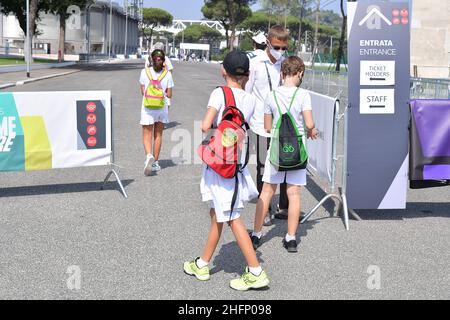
(190,9)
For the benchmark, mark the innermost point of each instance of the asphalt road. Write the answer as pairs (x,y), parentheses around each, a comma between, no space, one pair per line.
(135,248)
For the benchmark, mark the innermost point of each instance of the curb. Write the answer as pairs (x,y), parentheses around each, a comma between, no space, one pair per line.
(21,83)
(34,67)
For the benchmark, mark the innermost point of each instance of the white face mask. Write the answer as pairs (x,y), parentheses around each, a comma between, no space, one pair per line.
(277,54)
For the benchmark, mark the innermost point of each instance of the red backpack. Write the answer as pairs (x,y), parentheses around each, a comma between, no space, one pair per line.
(222,152)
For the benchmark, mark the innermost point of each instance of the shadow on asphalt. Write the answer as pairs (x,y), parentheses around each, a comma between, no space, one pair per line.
(61,188)
(100,67)
(414,210)
(318,193)
(231,260)
(167,164)
(171,125)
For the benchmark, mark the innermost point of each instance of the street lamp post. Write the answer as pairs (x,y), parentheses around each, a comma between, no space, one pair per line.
(110,29)
(126,27)
(173,45)
(28,42)
(182,41)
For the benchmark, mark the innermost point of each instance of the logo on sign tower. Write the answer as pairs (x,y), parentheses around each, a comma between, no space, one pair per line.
(374,18)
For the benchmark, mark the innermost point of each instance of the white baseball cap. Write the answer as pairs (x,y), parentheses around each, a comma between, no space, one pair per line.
(260,38)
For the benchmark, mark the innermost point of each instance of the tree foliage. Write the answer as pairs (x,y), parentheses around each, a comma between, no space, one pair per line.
(230,13)
(198,33)
(60,8)
(153,17)
(18,9)
(258,22)
(282,11)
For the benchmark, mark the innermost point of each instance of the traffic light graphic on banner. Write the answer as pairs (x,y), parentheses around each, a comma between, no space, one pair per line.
(91,124)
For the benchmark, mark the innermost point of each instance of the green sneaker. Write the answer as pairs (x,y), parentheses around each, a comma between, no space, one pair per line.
(250,281)
(191,269)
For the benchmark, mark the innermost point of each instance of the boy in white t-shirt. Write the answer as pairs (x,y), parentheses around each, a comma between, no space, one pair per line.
(219,191)
(153,120)
(293,70)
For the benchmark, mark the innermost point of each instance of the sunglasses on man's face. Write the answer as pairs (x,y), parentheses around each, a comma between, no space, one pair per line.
(278,48)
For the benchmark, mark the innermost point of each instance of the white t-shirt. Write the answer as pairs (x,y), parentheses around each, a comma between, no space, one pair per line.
(166,83)
(284,94)
(258,85)
(244,102)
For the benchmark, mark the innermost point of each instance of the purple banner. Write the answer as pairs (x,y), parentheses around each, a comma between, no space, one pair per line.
(430,140)
(436,172)
(433,126)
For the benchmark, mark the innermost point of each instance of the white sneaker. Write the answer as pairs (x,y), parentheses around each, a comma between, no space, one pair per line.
(156,167)
(149,164)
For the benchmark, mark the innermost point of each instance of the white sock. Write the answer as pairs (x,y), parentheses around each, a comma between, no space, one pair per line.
(290,238)
(149,156)
(257,234)
(201,263)
(255,271)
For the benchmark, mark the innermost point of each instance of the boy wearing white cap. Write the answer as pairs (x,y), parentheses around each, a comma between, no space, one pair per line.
(259,46)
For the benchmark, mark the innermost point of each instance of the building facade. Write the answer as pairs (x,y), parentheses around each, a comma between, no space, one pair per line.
(87,31)
(430,39)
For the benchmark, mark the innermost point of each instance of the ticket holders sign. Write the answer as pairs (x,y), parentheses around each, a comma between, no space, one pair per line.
(378,115)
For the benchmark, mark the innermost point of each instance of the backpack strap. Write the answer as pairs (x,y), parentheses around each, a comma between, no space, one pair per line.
(229,99)
(290,105)
(160,78)
(149,73)
(230,102)
(163,74)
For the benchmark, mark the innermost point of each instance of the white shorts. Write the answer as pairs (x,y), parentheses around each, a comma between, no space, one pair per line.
(273,176)
(151,116)
(225,216)
(218,192)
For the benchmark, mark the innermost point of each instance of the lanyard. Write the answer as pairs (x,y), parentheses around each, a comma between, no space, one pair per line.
(270,78)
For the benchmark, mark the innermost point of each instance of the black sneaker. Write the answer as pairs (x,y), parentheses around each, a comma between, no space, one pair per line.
(255,241)
(290,246)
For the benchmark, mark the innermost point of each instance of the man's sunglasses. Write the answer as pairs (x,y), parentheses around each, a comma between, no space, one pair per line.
(278,48)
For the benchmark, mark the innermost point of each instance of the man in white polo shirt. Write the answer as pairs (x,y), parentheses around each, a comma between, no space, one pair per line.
(265,76)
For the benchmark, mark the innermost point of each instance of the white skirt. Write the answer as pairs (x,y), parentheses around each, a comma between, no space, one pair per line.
(219,191)
(151,116)
(273,176)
